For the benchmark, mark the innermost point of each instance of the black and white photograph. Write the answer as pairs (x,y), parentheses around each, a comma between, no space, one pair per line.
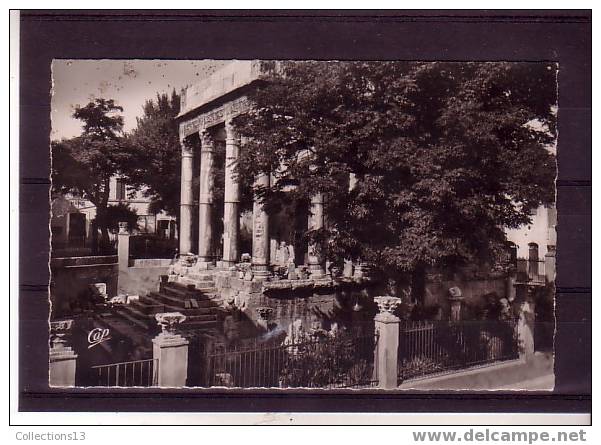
(339,225)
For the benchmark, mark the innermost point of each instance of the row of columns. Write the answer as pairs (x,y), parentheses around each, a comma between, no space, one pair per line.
(231,213)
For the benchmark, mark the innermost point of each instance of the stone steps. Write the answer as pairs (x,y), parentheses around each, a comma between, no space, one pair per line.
(199,301)
(182,291)
(178,304)
(124,327)
(136,317)
(149,319)
(155,306)
(200,277)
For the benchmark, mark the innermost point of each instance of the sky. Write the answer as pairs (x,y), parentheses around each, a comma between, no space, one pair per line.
(129,82)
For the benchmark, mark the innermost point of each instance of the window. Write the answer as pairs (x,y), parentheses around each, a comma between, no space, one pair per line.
(120,192)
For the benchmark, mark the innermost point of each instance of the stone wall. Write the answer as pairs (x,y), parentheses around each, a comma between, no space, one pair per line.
(306,305)
(141,279)
(71,276)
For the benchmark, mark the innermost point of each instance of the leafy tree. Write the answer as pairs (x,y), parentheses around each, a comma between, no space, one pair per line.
(155,155)
(84,165)
(121,213)
(446,155)
(154,161)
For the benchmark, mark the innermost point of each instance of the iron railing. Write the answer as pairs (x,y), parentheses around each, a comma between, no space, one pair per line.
(531,271)
(340,361)
(127,374)
(431,347)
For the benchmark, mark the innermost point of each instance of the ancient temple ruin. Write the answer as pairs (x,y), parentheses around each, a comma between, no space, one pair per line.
(205,121)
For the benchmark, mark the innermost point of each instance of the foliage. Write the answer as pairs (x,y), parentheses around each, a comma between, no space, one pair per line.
(328,361)
(84,165)
(445,154)
(121,213)
(420,366)
(154,162)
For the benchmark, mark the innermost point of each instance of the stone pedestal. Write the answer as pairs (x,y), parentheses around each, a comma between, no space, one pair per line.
(260,244)
(315,222)
(347,271)
(170,351)
(231,216)
(186,199)
(123,246)
(455,297)
(387,328)
(205,198)
(361,270)
(62,358)
(525,327)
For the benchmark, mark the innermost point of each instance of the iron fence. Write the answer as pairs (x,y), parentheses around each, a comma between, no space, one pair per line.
(430,347)
(127,374)
(338,361)
(151,246)
(530,270)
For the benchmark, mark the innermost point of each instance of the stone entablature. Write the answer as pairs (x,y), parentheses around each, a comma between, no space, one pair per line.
(233,76)
(214,116)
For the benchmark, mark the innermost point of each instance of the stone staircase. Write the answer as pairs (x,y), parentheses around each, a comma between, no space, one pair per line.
(196,298)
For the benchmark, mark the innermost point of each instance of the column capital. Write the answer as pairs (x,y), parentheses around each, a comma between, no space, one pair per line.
(123,228)
(386,306)
(207,141)
(58,331)
(231,135)
(186,146)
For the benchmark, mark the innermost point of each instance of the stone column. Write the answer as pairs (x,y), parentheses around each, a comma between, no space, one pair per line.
(123,247)
(170,351)
(205,198)
(387,350)
(231,217)
(315,222)
(348,263)
(260,244)
(186,199)
(62,358)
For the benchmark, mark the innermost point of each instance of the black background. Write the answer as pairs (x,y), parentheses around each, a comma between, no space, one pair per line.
(562,36)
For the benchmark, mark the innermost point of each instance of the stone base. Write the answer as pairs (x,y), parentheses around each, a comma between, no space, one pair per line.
(261,271)
(203,265)
(62,367)
(225,265)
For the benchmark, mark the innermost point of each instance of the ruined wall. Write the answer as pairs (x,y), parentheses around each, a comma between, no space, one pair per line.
(140,280)
(71,276)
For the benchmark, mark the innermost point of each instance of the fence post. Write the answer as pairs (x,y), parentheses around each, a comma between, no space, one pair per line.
(387,328)
(123,246)
(62,358)
(455,297)
(170,350)
(525,327)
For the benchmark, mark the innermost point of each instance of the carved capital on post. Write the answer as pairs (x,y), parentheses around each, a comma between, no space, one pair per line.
(59,330)
(386,306)
(265,313)
(168,321)
(123,226)
(455,297)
